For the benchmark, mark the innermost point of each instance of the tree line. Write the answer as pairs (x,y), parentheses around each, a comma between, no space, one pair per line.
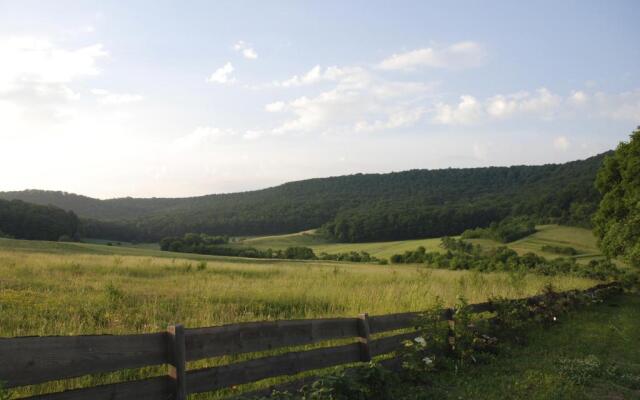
(22,220)
(353,208)
(219,246)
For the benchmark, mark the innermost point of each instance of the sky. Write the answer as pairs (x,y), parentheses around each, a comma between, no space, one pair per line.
(183,98)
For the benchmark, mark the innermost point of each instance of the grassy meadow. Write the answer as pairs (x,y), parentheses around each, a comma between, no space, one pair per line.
(51,288)
(67,291)
(581,239)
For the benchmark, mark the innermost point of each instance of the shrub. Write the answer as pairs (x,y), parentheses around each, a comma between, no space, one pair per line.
(505,231)
(565,250)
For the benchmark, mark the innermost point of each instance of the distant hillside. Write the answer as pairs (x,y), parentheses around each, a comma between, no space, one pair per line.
(22,220)
(352,208)
(112,209)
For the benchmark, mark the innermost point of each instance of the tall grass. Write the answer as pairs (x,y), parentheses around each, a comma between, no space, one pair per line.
(47,290)
(57,294)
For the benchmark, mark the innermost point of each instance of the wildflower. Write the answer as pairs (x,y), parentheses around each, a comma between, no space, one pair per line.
(555,319)
(428,360)
(420,340)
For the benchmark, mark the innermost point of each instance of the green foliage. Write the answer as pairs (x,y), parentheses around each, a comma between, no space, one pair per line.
(369,382)
(425,353)
(212,245)
(30,221)
(564,250)
(580,370)
(617,221)
(352,256)
(438,345)
(463,255)
(354,208)
(299,253)
(192,243)
(4,393)
(505,231)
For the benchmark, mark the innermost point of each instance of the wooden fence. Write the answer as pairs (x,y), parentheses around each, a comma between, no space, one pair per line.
(34,360)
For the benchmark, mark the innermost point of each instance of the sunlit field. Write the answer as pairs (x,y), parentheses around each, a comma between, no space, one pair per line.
(62,294)
(581,239)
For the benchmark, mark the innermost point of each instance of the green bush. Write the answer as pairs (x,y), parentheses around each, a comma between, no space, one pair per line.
(565,250)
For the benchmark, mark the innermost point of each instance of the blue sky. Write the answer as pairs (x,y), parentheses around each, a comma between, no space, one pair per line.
(152,98)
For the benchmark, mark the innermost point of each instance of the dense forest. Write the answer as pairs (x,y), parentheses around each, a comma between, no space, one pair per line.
(22,220)
(352,208)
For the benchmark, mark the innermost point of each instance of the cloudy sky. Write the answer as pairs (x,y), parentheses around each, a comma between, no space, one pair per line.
(169,98)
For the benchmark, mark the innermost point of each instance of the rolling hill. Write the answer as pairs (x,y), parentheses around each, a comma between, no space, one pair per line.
(352,208)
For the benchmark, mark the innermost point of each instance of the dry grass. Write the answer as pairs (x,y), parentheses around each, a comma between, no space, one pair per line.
(58,294)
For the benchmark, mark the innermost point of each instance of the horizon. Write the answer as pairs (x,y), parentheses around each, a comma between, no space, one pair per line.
(110,100)
(302,180)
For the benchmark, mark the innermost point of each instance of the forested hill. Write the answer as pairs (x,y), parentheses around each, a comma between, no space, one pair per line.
(360,207)
(22,220)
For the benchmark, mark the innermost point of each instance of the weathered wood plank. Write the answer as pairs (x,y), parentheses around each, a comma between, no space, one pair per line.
(259,336)
(208,379)
(147,389)
(177,361)
(364,337)
(31,360)
(481,307)
(390,343)
(392,322)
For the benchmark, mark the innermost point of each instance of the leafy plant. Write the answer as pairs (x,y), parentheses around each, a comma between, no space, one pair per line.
(580,371)
(4,393)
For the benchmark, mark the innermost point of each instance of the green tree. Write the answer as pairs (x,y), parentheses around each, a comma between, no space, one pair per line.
(617,220)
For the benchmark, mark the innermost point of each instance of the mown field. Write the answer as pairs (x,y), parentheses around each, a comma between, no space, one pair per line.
(581,239)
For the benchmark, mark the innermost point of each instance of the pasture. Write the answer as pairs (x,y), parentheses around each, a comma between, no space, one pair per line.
(50,288)
(581,239)
(59,289)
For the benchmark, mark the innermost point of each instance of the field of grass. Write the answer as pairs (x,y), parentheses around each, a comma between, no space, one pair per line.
(580,239)
(554,235)
(590,354)
(60,288)
(50,288)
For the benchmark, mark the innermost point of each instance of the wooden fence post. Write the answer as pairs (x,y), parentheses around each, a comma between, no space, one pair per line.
(451,332)
(177,361)
(364,333)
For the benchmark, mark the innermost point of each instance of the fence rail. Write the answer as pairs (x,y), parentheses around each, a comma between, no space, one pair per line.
(34,360)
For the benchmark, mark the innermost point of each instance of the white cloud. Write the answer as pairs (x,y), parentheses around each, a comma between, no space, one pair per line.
(222,75)
(542,104)
(459,55)
(28,61)
(358,102)
(106,97)
(561,143)
(354,76)
(246,50)
(276,106)
(38,77)
(467,111)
